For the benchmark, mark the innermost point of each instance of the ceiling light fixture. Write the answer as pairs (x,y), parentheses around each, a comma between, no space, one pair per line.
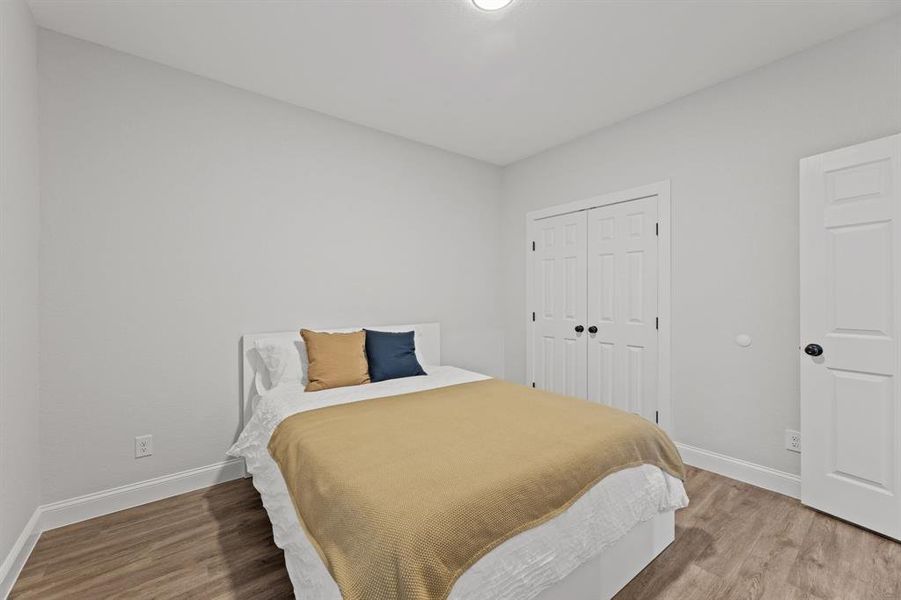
(491,4)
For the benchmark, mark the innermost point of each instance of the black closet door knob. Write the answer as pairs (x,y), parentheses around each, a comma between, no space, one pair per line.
(813,349)
(579,329)
(592,329)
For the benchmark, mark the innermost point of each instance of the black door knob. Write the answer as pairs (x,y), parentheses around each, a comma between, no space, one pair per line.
(813,349)
(579,329)
(592,329)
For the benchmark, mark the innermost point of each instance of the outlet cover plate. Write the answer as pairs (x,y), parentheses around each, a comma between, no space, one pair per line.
(143,446)
(793,440)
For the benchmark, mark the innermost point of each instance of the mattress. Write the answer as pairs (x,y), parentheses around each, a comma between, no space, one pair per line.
(520,568)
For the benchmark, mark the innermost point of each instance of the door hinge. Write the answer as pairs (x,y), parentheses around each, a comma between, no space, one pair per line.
(656,228)
(533,316)
(656,322)
(533,384)
(657,416)
(533,246)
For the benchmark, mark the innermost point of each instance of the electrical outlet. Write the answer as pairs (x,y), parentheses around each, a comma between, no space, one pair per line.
(143,446)
(792,440)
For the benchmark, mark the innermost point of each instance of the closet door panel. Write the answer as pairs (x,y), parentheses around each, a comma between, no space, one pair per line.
(622,305)
(560,295)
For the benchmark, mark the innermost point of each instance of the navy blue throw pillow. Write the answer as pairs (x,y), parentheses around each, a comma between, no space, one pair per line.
(391,355)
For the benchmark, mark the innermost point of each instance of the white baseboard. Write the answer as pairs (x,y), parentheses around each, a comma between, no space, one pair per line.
(19,553)
(82,508)
(742,470)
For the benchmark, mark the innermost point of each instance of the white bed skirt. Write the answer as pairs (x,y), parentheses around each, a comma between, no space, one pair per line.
(601,577)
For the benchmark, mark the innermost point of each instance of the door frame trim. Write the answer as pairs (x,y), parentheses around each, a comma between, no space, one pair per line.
(661,189)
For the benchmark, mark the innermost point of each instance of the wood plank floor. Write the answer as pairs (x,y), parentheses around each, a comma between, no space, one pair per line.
(734,541)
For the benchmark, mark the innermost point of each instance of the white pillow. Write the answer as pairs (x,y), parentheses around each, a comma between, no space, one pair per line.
(284,361)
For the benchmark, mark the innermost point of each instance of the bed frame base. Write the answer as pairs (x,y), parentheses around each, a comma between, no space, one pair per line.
(607,573)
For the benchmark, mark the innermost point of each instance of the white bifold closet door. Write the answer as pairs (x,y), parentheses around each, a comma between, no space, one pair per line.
(595,290)
(622,304)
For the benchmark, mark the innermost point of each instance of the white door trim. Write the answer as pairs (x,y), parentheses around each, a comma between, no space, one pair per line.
(661,189)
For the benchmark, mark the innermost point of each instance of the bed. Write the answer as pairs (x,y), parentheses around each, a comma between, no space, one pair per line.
(590,550)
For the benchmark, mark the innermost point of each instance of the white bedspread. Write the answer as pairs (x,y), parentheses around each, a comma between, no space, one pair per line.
(518,569)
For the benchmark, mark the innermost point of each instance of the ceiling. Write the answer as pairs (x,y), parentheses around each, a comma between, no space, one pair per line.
(494,86)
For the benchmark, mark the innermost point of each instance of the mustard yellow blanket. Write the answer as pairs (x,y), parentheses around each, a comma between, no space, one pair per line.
(400,495)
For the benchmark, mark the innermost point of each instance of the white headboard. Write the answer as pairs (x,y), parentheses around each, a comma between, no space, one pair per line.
(427,337)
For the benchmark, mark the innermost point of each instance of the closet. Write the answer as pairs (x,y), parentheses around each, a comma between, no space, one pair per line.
(593,291)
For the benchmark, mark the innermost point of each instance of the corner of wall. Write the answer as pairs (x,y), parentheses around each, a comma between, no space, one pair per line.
(20,486)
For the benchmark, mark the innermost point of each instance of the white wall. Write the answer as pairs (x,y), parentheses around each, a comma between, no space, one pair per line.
(179,213)
(732,154)
(19,226)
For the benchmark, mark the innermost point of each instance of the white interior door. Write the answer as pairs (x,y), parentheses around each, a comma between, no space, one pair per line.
(622,306)
(850,265)
(559,291)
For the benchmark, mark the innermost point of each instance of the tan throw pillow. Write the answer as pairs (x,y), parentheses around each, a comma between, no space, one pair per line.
(336,359)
